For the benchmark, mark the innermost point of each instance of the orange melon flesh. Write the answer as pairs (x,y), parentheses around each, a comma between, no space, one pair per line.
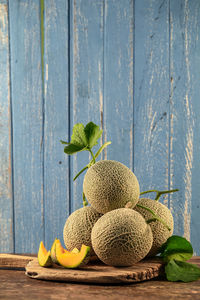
(73,259)
(44,256)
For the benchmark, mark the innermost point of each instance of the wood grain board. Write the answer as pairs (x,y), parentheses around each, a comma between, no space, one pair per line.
(97,272)
(23,287)
(130,66)
(14,261)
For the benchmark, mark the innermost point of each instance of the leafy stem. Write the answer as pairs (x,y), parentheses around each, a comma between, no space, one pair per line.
(84,138)
(159,193)
(94,160)
(154,215)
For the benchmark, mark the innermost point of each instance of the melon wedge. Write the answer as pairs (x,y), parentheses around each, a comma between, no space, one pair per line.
(44,256)
(53,250)
(72,259)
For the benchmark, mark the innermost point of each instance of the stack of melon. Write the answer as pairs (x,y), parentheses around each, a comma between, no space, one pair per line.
(119,231)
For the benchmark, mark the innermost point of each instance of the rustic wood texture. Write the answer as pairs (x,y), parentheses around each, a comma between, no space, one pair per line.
(56,119)
(27,120)
(6,201)
(40,289)
(14,261)
(130,66)
(97,273)
(151,110)
(118,80)
(86,81)
(184,120)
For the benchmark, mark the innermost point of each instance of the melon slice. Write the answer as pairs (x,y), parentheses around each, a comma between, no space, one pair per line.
(72,259)
(44,256)
(53,250)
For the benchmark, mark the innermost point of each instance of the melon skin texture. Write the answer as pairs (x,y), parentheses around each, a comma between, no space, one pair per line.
(78,227)
(109,185)
(121,237)
(160,232)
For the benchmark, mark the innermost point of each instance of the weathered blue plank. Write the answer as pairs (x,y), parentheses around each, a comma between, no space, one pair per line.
(56,163)
(118,80)
(185,112)
(26,82)
(6,205)
(151,96)
(86,97)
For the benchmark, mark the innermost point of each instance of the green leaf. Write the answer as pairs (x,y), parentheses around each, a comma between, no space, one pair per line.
(181,271)
(92,133)
(78,136)
(72,148)
(63,142)
(176,247)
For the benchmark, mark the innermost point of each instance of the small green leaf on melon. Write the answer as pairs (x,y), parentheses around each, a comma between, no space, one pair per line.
(73,259)
(44,256)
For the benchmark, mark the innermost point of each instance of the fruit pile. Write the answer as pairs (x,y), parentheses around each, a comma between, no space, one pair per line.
(118,235)
(119,228)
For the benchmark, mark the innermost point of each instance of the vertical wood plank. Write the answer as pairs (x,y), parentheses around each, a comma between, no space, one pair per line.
(6,207)
(86,99)
(56,163)
(118,80)
(27,123)
(151,97)
(185,111)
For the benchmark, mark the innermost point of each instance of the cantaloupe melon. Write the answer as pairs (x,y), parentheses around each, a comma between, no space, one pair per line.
(78,227)
(160,232)
(44,256)
(121,237)
(72,259)
(109,185)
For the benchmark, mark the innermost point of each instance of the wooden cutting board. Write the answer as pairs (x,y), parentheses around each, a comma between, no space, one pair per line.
(97,272)
(94,272)
(14,261)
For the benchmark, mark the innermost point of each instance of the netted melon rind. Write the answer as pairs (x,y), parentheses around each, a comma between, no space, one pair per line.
(78,227)
(121,237)
(110,185)
(160,232)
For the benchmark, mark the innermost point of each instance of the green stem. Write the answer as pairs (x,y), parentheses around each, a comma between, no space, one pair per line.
(101,149)
(79,173)
(159,193)
(155,216)
(94,160)
(85,203)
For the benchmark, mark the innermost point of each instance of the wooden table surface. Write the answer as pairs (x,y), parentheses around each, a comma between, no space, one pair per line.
(14,284)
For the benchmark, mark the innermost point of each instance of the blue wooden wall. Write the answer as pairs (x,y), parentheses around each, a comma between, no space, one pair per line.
(131,66)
